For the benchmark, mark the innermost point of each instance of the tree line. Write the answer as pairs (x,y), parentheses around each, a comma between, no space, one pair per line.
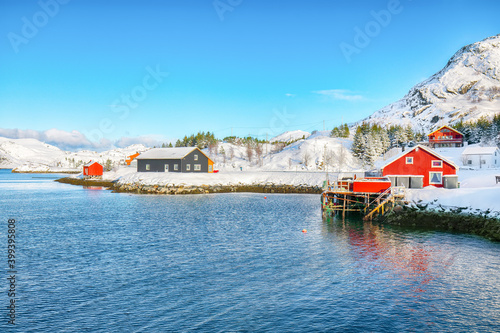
(371,141)
(483,130)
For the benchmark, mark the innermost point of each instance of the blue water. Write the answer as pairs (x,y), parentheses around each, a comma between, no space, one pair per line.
(89,260)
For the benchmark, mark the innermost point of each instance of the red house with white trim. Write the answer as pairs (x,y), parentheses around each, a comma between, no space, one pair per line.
(419,167)
(92,170)
(445,136)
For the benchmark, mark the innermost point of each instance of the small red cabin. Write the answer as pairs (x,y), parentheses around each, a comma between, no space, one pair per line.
(92,170)
(420,167)
(446,136)
(371,184)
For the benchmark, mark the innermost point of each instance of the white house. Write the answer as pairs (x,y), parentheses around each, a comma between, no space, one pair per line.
(481,157)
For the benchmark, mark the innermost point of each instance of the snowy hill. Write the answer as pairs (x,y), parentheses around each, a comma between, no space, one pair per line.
(290,136)
(34,155)
(317,152)
(467,88)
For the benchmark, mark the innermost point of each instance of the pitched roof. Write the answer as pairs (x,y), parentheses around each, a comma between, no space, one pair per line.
(90,163)
(479,151)
(445,126)
(168,153)
(427,149)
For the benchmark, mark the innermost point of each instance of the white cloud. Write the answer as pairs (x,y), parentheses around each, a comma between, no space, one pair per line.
(290,95)
(340,94)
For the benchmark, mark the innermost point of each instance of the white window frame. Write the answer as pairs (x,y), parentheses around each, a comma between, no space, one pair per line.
(197,167)
(176,167)
(430,177)
(166,167)
(196,157)
(409,160)
(435,166)
(148,167)
(188,167)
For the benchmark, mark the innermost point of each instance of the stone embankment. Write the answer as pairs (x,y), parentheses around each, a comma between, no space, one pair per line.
(204,189)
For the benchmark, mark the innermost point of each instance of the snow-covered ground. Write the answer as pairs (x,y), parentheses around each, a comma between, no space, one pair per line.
(221,178)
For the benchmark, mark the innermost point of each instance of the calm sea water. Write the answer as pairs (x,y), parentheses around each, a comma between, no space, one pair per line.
(89,260)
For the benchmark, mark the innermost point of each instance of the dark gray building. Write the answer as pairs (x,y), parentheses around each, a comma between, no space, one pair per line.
(179,159)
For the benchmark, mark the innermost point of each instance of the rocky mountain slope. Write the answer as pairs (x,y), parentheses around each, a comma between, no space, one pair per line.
(467,88)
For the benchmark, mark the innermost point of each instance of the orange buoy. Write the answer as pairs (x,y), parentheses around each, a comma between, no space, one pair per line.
(304,230)
(265,197)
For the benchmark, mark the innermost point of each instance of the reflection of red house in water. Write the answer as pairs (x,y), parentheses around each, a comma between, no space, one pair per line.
(410,262)
(446,136)
(92,170)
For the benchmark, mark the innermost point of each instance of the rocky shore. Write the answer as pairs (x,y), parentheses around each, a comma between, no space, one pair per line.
(85,182)
(205,189)
(454,221)
(172,189)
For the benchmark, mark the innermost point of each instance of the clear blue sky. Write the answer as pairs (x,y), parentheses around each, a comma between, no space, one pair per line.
(256,66)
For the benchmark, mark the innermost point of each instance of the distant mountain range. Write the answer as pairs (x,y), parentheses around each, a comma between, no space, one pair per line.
(467,88)
(34,155)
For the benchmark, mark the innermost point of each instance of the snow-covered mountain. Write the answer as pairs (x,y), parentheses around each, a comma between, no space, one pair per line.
(467,88)
(34,155)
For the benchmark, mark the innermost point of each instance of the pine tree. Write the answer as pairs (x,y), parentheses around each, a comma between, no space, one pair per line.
(358,145)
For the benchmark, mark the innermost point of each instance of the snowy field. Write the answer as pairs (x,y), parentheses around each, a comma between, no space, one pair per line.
(220,178)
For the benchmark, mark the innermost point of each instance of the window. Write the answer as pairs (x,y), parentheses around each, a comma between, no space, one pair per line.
(469,162)
(188,167)
(196,157)
(409,160)
(210,168)
(435,178)
(176,167)
(197,167)
(148,167)
(437,164)
(166,167)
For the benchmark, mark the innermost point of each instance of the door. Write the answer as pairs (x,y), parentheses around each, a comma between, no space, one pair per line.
(166,167)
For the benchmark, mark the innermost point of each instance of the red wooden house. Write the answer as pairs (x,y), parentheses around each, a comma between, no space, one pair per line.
(419,167)
(446,136)
(92,170)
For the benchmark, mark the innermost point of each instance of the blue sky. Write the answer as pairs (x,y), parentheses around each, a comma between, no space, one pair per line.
(149,71)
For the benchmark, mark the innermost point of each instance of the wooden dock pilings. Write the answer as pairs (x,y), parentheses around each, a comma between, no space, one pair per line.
(340,200)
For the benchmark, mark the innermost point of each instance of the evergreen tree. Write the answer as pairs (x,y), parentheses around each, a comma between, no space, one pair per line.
(358,145)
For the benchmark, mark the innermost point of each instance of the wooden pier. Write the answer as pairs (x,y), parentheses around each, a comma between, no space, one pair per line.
(368,197)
